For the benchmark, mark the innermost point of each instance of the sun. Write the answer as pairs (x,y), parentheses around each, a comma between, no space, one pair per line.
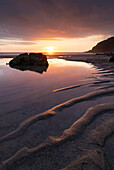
(50,50)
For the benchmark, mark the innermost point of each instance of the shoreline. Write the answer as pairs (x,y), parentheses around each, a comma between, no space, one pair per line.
(81,142)
(89,58)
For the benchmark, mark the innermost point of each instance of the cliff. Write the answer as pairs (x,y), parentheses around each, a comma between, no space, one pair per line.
(105,46)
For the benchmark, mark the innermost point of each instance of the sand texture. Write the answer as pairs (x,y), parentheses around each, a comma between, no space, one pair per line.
(86,143)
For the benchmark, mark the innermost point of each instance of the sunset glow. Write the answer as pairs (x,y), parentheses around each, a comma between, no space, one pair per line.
(54,26)
(56,84)
(50,50)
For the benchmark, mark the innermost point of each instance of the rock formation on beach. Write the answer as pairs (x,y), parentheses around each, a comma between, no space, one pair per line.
(32,59)
(106,46)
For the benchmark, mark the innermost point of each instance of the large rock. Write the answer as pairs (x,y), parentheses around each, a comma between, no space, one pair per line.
(32,59)
(105,46)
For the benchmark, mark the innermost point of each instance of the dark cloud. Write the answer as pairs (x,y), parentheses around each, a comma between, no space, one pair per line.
(21,43)
(38,19)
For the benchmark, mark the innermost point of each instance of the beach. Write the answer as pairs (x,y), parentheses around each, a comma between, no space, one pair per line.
(61,119)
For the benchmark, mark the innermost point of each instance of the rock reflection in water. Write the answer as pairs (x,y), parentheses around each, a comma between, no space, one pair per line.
(38,69)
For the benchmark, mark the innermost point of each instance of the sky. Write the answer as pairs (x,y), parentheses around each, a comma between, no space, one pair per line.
(54,25)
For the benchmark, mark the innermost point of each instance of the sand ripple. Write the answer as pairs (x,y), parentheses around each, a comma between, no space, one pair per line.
(101,133)
(92,160)
(75,131)
(49,113)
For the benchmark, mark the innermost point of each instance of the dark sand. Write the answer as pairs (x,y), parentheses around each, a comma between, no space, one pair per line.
(88,142)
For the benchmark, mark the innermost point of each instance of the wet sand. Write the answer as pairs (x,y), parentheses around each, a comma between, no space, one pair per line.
(88,141)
